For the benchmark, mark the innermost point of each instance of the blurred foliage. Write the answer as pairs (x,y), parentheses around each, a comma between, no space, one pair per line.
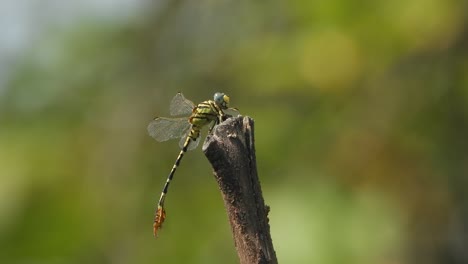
(361,133)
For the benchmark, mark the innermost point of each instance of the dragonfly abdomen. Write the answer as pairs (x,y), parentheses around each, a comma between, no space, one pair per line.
(160,213)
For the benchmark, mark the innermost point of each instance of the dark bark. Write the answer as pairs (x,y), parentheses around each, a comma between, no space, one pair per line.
(231,152)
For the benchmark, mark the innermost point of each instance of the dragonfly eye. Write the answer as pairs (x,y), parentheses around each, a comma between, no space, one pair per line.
(222,100)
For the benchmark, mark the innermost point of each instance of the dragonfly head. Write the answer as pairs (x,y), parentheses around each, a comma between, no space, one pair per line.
(222,100)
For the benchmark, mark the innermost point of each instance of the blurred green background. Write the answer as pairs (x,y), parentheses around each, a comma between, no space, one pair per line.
(361,122)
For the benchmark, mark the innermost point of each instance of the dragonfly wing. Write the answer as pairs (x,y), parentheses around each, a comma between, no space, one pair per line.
(163,129)
(181,106)
(234,112)
(192,145)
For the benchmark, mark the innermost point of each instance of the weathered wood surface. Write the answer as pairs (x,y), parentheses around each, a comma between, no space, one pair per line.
(231,151)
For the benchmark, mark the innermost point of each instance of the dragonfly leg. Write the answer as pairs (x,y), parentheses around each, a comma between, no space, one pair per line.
(221,117)
(212,126)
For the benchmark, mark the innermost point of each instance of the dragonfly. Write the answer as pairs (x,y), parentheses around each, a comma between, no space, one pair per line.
(209,112)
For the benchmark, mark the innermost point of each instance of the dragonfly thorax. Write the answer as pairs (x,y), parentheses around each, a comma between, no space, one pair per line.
(205,113)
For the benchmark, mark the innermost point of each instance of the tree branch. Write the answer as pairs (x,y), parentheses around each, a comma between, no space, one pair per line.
(231,152)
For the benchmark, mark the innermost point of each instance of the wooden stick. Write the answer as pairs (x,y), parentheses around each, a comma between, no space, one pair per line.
(231,152)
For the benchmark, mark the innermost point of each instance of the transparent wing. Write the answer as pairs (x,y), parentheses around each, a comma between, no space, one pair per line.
(181,106)
(163,129)
(192,145)
(234,112)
